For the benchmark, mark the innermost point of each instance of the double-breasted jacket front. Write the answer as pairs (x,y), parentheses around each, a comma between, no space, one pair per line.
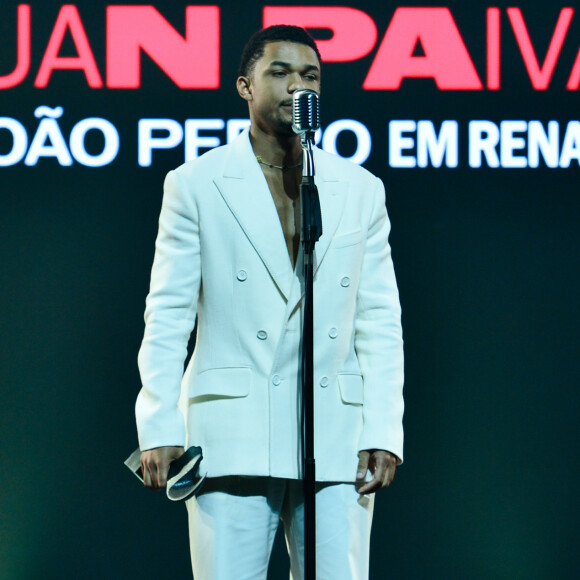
(221,258)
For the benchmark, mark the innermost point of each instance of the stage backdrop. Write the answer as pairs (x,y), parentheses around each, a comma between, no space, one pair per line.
(469,113)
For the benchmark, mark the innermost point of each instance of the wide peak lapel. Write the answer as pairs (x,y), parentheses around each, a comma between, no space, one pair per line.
(332,193)
(246,193)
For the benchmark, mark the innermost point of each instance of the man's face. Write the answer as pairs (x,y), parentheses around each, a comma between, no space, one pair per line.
(285,67)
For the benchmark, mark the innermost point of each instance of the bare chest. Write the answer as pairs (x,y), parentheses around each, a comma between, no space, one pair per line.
(284,189)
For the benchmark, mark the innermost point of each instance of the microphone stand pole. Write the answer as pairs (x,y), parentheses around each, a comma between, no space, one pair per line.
(311,224)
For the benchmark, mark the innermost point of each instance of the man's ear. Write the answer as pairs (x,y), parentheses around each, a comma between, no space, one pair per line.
(244,88)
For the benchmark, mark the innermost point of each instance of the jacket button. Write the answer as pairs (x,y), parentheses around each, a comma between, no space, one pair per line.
(242,275)
(333,333)
(262,334)
(345,282)
(276,380)
(324,382)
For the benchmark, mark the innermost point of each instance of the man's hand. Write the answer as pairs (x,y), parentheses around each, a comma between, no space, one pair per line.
(155,465)
(382,465)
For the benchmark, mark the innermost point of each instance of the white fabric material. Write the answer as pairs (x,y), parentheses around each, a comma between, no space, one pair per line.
(233,522)
(221,257)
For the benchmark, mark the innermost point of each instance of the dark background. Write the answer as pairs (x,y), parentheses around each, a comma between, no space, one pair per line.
(488,264)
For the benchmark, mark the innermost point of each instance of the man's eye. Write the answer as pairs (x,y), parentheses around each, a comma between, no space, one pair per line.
(278,73)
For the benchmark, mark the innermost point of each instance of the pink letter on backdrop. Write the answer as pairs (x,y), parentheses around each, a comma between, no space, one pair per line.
(192,62)
(68,18)
(493,49)
(574,80)
(354,32)
(540,77)
(23,50)
(446,58)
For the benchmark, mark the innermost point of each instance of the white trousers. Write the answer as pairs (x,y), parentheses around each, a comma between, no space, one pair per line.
(232,525)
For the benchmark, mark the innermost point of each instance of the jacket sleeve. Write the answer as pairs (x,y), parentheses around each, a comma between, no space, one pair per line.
(378,337)
(169,318)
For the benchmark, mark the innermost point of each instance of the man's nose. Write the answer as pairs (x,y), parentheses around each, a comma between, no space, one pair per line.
(296,83)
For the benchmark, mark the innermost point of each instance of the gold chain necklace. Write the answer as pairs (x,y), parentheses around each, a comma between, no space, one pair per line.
(282,167)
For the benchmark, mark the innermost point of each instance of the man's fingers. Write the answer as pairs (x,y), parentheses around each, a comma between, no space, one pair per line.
(391,466)
(382,465)
(149,476)
(378,468)
(370,486)
(146,475)
(154,470)
(390,474)
(162,469)
(363,465)
(155,465)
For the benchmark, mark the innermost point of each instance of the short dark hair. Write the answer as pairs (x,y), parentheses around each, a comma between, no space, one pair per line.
(254,49)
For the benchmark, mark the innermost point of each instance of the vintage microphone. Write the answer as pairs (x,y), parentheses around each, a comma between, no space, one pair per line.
(305,122)
(305,112)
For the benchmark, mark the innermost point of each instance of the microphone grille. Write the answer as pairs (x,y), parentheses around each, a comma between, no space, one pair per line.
(305,111)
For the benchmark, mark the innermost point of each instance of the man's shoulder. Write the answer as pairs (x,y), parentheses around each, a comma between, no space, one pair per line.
(342,168)
(207,164)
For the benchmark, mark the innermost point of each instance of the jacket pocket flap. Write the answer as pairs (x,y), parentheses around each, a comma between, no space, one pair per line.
(351,388)
(227,382)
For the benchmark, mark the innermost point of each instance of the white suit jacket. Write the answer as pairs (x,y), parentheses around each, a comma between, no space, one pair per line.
(221,257)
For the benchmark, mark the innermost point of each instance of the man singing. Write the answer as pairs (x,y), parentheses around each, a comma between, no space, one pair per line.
(228,255)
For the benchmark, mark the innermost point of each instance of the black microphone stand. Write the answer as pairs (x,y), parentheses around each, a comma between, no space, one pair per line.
(311,225)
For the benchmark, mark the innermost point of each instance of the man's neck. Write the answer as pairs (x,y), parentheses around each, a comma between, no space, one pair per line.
(276,149)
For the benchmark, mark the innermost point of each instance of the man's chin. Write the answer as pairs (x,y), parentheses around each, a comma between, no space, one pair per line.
(285,126)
